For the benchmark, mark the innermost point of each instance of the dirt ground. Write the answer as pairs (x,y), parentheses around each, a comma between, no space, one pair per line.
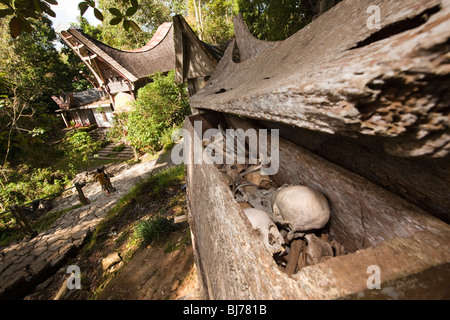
(153,274)
(162,270)
(150,274)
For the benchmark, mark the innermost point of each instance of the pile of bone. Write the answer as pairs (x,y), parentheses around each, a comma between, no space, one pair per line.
(290,219)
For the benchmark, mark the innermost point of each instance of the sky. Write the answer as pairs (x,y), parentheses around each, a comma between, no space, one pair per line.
(67,11)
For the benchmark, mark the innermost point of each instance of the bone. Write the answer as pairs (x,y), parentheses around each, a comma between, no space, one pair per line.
(233,170)
(258,179)
(301,262)
(297,210)
(250,189)
(244,205)
(316,249)
(250,169)
(270,235)
(229,180)
(296,247)
(339,249)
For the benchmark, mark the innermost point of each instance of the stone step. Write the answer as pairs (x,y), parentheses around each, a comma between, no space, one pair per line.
(128,155)
(99,134)
(112,158)
(111,149)
(103,153)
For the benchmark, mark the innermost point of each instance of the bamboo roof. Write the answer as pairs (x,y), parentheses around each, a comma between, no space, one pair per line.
(156,56)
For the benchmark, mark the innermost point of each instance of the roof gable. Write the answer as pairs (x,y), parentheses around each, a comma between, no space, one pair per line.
(157,56)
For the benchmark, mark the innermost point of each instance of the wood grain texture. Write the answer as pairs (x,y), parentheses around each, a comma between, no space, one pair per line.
(397,236)
(327,78)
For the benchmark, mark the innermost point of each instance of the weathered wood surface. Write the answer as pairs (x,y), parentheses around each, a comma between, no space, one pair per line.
(362,214)
(193,60)
(399,259)
(338,76)
(423,182)
(233,264)
(22,221)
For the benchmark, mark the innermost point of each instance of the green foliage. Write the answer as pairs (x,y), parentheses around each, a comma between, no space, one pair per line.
(47,220)
(182,244)
(166,178)
(212,20)
(161,105)
(119,148)
(31,71)
(159,225)
(25,184)
(12,233)
(21,13)
(154,229)
(120,31)
(163,179)
(276,20)
(78,146)
(123,17)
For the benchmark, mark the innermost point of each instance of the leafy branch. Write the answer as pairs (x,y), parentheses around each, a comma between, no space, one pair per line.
(22,10)
(121,17)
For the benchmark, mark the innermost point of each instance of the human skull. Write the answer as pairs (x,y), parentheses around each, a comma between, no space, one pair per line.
(301,207)
(270,235)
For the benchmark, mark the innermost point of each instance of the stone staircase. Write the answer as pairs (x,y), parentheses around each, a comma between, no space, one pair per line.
(110,152)
(116,151)
(99,134)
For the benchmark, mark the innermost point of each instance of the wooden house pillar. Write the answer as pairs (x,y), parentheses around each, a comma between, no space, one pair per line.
(64,119)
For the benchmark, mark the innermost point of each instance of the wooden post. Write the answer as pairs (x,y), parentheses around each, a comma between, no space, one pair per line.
(22,221)
(64,119)
(81,196)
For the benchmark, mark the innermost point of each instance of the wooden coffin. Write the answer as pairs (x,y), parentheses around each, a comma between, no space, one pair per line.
(409,246)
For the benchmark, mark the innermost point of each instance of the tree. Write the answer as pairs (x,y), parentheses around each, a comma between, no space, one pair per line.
(130,34)
(212,19)
(275,19)
(32,71)
(116,31)
(22,11)
(161,105)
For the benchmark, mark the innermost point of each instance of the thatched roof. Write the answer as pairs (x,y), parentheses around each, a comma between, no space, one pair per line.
(157,56)
(86,97)
(194,58)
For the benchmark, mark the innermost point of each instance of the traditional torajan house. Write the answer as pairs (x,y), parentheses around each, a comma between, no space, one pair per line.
(196,60)
(120,73)
(85,108)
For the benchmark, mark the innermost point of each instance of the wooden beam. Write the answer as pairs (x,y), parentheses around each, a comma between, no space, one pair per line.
(338,76)
(96,73)
(89,58)
(377,228)
(22,221)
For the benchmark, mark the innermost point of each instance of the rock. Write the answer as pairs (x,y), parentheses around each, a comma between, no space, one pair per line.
(110,260)
(116,267)
(44,205)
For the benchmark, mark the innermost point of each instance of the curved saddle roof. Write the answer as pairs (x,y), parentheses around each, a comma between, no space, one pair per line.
(156,56)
